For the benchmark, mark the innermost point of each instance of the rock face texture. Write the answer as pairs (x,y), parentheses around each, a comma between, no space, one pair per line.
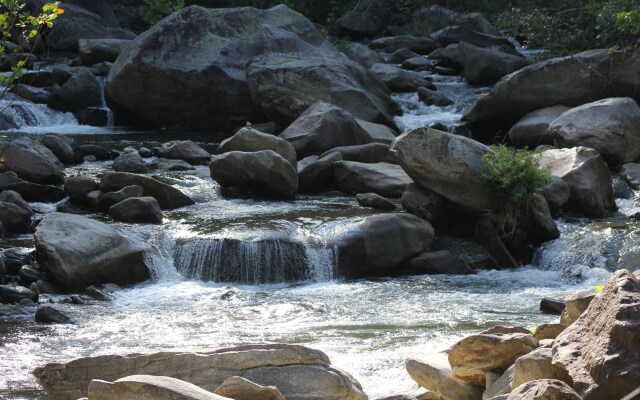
(543,389)
(600,351)
(185,150)
(446,164)
(148,387)
(435,375)
(79,252)
(298,372)
(239,388)
(233,65)
(31,161)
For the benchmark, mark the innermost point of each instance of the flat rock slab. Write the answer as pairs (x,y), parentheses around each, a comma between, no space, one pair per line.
(148,387)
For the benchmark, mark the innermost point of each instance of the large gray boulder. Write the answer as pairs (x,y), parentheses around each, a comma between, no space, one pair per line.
(200,56)
(264,172)
(285,85)
(14,218)
(486,66)
(94,51)
(609,126)
(78,252)
(82,90)
(322,127)
(137,209)
(588,177)
(381,244)
(167,196)
(445,164)
(185,150)
(533,129)
(298,372)
(381,178)
(64,148)
(31,161)
(363,55)
(250,140)
(572,81)
(377,132)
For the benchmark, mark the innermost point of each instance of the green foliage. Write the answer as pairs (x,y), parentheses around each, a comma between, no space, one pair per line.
(340,43)
(513,175)
(153,11)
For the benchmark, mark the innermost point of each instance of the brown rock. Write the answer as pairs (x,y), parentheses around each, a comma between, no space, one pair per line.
(575,305)
(537,365)
(600,351)
(147,387)
(548,331)
(239,388)
(544,389)
(435,374)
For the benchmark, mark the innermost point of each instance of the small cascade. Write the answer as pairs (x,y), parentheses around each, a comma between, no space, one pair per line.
(103,102)
(253,262)
(17,114)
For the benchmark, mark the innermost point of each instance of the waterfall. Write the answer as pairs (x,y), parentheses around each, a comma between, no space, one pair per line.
(103,102)
(253,262)
(19,113)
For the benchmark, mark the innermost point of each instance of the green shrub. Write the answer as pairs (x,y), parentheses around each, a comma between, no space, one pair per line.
(153,11)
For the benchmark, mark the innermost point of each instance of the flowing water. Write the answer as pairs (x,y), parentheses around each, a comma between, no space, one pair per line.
(234,271)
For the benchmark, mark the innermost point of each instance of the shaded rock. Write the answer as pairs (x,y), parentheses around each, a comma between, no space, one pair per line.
(548,331)
(38,193)
(556,193)
(148,387)
(130,162)
(439,262)
(446,164)
(29,274)
(315,174)
(285,85)
(375,201)
(48,314)
(533,129)
(9,196)
(537,365)
(94,51)
(473,253)
(239,388)
(435,374)
(363,55)
(77,252)
(461,33)
(167,196)
(420,63)
(436,17)
(367,153)
(298,372)
(588,178)
(108,199)
(486,66)
(398,79)
(93,116)
(381,244)
(501,385)
(8,178)
(431,98)
(39,79)
(15,294)
(82,90)
(100,153)
(631,173)
(145,152)
(450,56)
(14,218)
(380,178)
(251,140)
(544,389)
(600,350)
(367,18)
(398,56)
(171,165)
(64,148)
(33,94)
(264,172)
(609,126)
(46,287)
(137,209)
(551,306)
(420,45)
(77,187)
(422,202)
(185,150)
(473,356)
(31,161)
(377,132)
(14,259)
(322,127)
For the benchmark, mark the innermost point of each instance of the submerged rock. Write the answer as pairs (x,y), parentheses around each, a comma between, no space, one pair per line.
(48,314)
(78,252)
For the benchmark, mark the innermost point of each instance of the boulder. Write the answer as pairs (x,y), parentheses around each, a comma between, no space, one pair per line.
(14,218)
(537,365)
(445,164)
(575,304)
(77,23)
(433,98)
(609,126)
(418,63)
(29,274)
(551,306)
(399,56)
(322,127)
(48,314)
(64,148)
(137,209)
(167,196)
(498,384)
(377,132)
(368,18)
(15,294)
(475,355)
(631,173)
(435,375)
(420,45)
(556,192)
(31,93)
(94,51)
(264,172)
(543,389)
(31,161)
(223,81)
(239,388)
(108,199)
(588,178)
(533,129)
(375,201)
(82,90)
(298,372)
(460,33)
(185,150)
(450,56)
(148,387)
(380,178)
(130,162)
(251,140)
(315,174)
(487,66)
(380,244)
(38,193)
(78,252)
(9,196)
(422,202)
(100,153)
(363,55)
(572,81)
(163,164)
(439,262)
(366,153)
(285,85)
(77,187)
(600,351)
(398,79)
(548,331)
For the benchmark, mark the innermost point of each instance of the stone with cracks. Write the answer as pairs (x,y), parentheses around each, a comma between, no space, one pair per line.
(239,388)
